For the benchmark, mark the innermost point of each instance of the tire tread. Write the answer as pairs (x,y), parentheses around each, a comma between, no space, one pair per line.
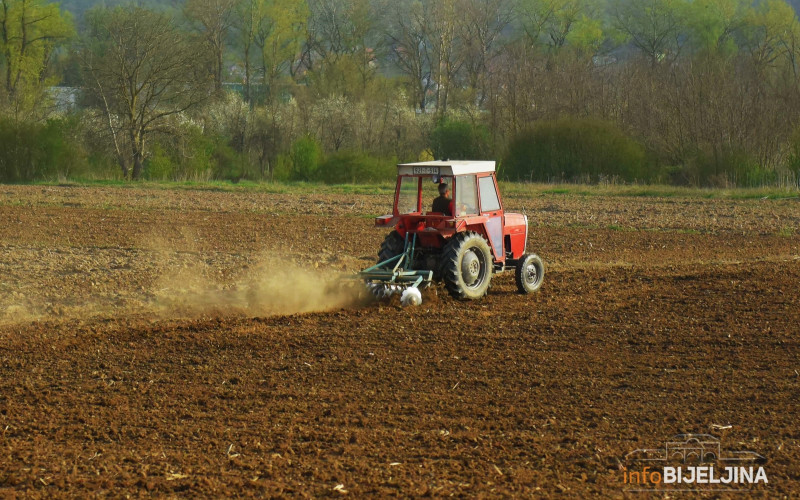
(450,270)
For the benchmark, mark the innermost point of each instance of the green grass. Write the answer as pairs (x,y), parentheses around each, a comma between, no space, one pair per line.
(556,191)
(508,189)
(228,186)
(525,190)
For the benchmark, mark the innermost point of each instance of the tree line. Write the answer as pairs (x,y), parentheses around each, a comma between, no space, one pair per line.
(693,92)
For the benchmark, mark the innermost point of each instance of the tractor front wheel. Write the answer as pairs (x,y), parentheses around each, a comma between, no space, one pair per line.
(392,246)
(529,273)
(466,266)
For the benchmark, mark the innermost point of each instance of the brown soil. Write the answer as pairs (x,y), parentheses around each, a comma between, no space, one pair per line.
(161,343)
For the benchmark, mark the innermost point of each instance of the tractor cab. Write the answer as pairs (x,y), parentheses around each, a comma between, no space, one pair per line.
(462,246)
(475,206)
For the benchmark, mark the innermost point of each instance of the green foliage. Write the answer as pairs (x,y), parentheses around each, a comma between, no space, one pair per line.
(725,168)
(160,165)
(279,35)
(652,26)
(573,149)
(337,78)
(282,171)
(587,35)
(305,155)
(32,151)
(712,23)
(30,32)
(79,8)
(459,140)
(191,155)
(226,163)
(101,166)
(769,28)
(749,173)
(793,160)
(305,162)
(557,23)
(714,99)
(352,167)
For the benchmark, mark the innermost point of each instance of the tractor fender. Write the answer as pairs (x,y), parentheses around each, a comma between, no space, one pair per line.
(481,229)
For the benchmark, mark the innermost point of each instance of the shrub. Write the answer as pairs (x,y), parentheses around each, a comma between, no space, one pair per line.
(350,167)
(183,156)
(793,160)
(306,155)
(459,140)
(730,168)
(189,154)
(574,149)
(282,171)
(226,163)
(34,151)
(160,165)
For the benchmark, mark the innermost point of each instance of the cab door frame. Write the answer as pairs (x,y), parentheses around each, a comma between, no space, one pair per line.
(491,207)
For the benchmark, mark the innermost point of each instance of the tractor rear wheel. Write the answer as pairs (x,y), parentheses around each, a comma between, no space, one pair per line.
(392,246)
(466,266)
(529,273)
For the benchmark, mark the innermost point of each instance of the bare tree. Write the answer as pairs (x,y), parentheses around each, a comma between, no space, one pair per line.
(482,24)
(342,36)
(279,36)
(247,18)
(141,68)
(337,27)
(448,56)
(412,49)
(652,26)
(215,19)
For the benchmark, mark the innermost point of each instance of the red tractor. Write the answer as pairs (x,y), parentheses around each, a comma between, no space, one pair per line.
(467,240)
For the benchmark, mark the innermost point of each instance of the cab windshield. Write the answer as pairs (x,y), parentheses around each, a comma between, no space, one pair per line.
(409,200)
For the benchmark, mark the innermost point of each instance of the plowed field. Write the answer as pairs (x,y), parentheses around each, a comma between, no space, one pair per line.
(194,343)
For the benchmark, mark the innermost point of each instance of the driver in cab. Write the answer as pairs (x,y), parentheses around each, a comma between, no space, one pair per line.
(443,204)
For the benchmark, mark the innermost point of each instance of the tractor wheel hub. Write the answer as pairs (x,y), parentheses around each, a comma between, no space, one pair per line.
(530,273)
(470,267)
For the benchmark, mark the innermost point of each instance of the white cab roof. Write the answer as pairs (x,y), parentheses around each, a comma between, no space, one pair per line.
(446,167)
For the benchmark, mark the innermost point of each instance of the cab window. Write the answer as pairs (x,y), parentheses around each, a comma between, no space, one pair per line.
(466,195)
(408,195)
(489,199)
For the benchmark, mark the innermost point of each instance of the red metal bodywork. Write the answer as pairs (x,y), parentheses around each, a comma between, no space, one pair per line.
(506,233)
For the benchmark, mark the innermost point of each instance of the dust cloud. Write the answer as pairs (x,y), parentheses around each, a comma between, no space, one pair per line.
(166,281)
(272,286)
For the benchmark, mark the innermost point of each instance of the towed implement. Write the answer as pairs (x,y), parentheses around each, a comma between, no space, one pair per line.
(464,239)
